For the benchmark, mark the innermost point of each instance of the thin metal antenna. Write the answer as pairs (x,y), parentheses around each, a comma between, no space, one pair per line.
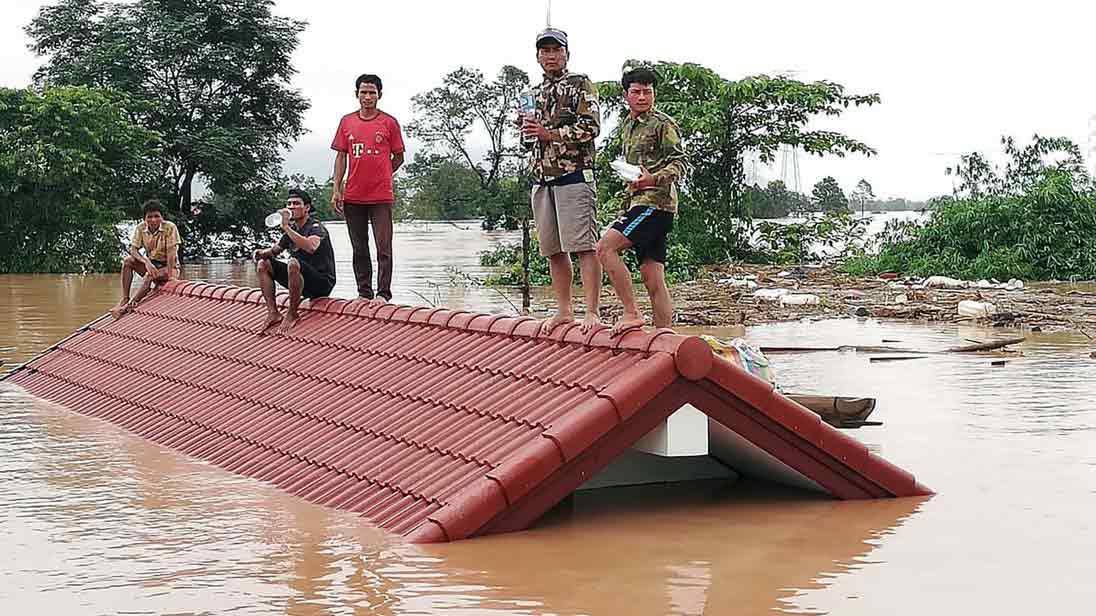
(789,154)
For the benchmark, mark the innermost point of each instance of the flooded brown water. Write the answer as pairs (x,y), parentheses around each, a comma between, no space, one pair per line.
(96,521)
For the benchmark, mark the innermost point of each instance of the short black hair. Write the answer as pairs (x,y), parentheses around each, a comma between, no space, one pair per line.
(640,74)
(150,206)
(300,194)
(368,78)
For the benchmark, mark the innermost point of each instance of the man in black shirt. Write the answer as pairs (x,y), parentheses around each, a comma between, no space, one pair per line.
(310,271)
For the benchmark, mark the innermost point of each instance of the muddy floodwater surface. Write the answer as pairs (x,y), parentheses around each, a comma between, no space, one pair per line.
(94,520)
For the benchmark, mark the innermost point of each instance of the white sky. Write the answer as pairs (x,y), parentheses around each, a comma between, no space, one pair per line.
(953,76)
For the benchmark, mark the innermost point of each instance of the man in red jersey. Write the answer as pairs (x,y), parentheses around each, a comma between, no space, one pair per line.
(370,141)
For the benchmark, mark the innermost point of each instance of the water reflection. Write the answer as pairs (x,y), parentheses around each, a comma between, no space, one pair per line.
(688,549)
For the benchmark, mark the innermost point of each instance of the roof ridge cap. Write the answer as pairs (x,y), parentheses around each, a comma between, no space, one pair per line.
(691,353)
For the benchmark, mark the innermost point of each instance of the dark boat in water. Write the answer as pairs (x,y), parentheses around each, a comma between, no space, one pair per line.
(838,411)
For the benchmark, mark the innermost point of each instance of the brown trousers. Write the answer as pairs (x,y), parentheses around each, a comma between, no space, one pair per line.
(358,220)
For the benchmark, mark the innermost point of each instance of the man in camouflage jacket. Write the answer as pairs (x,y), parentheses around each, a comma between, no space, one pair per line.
(652,142)
(560,138)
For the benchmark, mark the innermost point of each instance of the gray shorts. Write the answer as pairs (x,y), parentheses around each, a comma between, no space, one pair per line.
(566,218)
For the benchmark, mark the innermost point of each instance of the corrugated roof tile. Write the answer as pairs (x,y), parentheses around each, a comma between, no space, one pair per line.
(429,422)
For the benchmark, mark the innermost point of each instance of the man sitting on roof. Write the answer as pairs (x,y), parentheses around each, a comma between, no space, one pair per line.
(310,270)
(160,240)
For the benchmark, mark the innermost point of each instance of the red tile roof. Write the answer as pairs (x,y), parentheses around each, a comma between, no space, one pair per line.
(434,424)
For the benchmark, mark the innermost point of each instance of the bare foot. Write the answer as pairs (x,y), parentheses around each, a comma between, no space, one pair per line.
(273,317)
(120,309)
(589,322)
(288,322)
(548,325)
(627,324)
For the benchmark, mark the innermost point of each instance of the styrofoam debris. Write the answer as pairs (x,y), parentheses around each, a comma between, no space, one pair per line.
(770,295)
(800,299)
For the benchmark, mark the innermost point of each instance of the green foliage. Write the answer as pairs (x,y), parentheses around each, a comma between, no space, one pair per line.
(320,193)
(442,188)
(1026,167)
(774,201)
(210,76)
(71,164)
(508,206)
(1035,219)
(827,196)
(862,195)
(467,102)
(508,258)
(449,181)
(836,235)
(720,121)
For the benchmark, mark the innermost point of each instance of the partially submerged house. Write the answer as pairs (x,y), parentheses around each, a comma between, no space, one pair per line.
(434,424)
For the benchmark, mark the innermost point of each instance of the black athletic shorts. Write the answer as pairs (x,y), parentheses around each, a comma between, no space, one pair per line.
(315,283)
(647,228)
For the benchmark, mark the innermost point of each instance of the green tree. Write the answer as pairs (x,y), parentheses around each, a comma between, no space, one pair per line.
(1033,219)
(441,187)
(827,196)
(320,193)
(468,103)
(775,201)
(862,195)
(212,77)
(71,162)
(1026,167)
(837,235)
(720,121)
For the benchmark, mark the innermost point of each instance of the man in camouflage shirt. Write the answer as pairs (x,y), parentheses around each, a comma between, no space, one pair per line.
(651,141)
(560,137)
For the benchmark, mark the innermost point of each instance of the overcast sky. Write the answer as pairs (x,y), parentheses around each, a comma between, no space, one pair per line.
(953,76)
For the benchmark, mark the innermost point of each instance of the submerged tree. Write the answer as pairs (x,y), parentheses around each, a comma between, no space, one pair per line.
(211,76)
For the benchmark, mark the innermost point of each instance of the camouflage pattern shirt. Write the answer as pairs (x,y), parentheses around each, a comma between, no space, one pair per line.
(652,141)
(567,106)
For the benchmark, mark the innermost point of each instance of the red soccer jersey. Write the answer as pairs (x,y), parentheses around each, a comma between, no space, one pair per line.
(369,145)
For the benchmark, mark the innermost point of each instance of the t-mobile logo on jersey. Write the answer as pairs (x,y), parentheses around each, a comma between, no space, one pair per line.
(356,149)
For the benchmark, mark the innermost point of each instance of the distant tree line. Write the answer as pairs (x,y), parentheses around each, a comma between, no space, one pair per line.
(776,201)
